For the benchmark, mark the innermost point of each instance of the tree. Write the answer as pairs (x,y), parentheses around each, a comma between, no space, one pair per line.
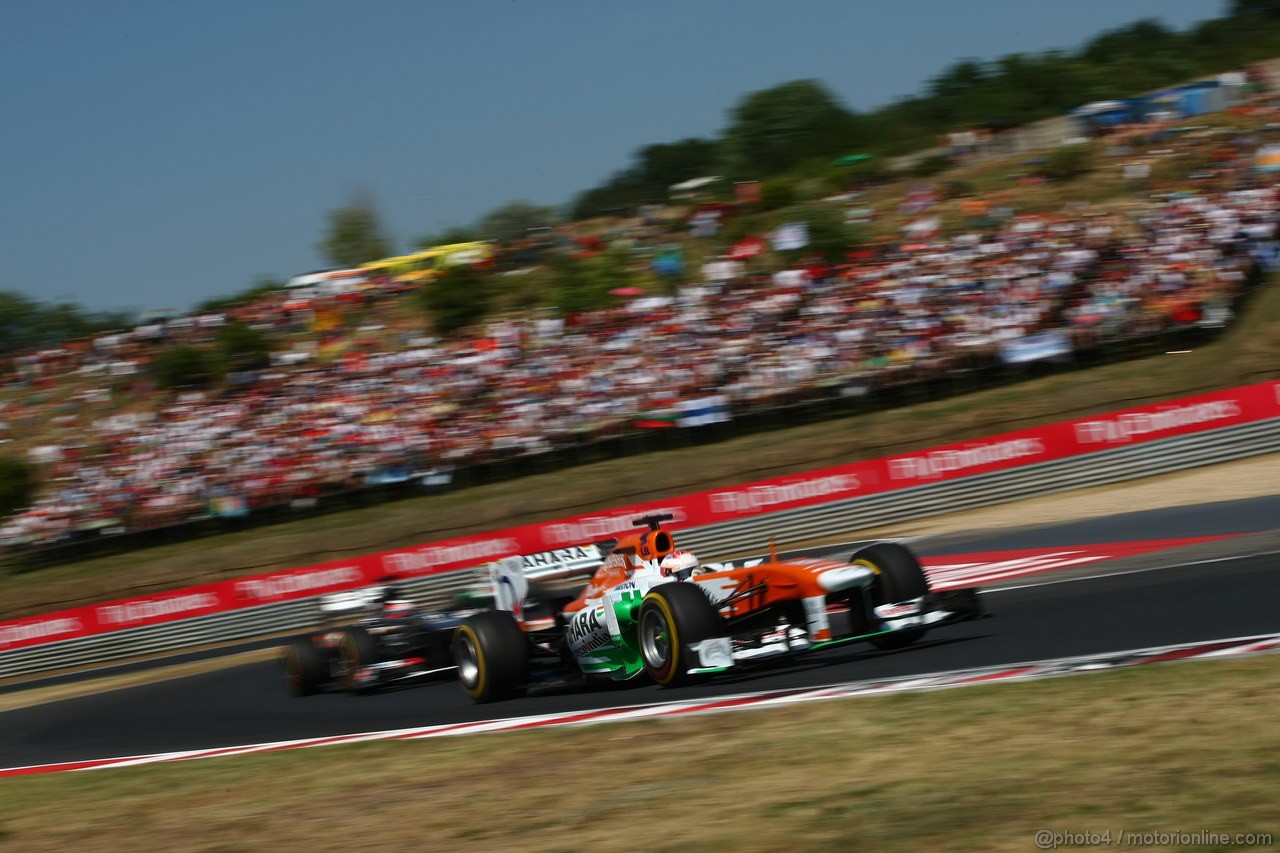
(615,197)
(1137,40)
(1259,8)
(354,236)
(457,299)
(613,268)
(777,192)
(653,170)
(185,366)
(932,165)
(959,80)
(514,220)
(828,234)
(450,235)
(16,314)
(25,323)
(775,129)
(244,348)
(660,166)
(583,284)
(260,288)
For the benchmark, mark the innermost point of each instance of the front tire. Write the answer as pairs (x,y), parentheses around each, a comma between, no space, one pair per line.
(899,577)
(305,670)
(357,650)
(492,654)
(672,616)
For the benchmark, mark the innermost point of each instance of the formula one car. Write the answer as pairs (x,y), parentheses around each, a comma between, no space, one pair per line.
(652,610)
(390,641)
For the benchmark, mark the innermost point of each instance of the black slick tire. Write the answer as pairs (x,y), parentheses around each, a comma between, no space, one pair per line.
(305,671)
(492,655)
(899,577)
(672,616)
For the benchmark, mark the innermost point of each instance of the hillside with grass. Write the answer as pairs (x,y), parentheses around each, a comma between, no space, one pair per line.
(1248,352)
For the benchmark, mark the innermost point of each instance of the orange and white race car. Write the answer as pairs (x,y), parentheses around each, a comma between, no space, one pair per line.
(653,610)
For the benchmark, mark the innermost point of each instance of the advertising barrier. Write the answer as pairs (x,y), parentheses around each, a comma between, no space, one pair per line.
(1130,427)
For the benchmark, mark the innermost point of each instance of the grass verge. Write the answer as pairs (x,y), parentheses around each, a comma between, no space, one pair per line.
(1169,748)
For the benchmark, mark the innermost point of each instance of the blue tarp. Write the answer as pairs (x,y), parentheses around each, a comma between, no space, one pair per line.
(1046,345)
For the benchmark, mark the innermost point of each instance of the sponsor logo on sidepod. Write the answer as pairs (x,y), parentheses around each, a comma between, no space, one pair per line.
(588,631)
(561,556)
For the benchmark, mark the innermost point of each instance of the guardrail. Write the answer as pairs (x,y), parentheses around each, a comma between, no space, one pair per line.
(727,539)
(1102,467)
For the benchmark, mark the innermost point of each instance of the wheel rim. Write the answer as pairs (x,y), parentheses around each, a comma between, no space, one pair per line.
(468,660)
(655,639)
(350,660)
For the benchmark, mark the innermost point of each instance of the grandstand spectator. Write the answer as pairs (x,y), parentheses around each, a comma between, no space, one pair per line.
(391,408)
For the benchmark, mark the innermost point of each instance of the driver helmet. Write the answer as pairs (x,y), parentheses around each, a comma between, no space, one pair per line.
(397,608)
(679,564)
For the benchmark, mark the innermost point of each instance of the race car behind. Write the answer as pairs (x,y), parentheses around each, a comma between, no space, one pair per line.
(390,641)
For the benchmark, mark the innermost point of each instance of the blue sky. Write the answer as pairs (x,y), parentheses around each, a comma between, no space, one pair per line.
(161,152)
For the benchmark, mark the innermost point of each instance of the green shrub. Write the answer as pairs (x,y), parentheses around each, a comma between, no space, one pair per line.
(869,173)
(930,166)
(17,485)
(187,367)
(457,299)
(1066,162)
(777,192)
(244,348)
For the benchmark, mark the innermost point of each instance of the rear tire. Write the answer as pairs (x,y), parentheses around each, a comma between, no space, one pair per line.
(672,616)
(492,654)
(899,577)
(358,649)
(305,669)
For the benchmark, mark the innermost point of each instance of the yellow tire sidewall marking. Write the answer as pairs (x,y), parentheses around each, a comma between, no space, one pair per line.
(868,564)
(478,689)
(673,638)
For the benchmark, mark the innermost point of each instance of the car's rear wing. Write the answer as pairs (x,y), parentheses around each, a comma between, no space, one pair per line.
(562,563)
(577,561)
(509,585)
(507,581)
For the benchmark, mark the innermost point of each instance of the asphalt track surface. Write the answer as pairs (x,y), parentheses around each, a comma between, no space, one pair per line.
(1228,588)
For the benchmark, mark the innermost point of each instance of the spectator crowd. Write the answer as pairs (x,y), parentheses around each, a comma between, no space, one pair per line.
(401,405)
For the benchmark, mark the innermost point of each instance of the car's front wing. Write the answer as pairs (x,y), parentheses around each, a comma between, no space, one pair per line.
(931,611)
